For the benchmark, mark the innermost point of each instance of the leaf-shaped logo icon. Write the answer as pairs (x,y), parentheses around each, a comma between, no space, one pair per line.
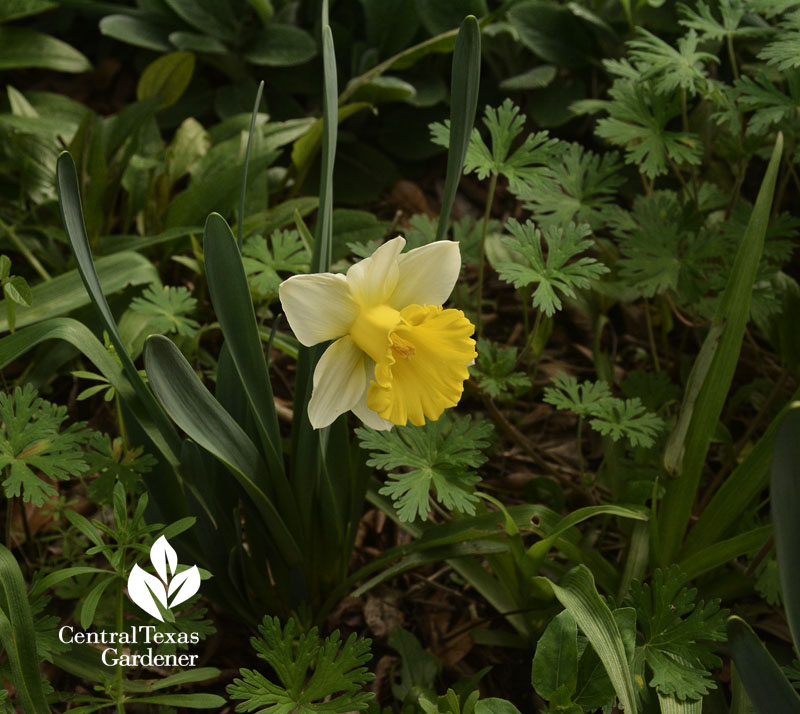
(144,589)
(148,591)
(184,585)
(162,554)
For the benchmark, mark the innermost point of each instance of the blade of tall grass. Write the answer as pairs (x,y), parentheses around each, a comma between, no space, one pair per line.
(465,80)
(305,441)
(18,635)
(722,552)
(69,202)
(66,292)
(732,315)
(82,338)
(576,591)
(243,193)
(785,499)
(740,489)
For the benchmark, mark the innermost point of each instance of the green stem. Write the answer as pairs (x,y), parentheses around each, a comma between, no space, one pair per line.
(119,674)
(651,336)
(22,248)
(580,450)
(732,56)
(486,215)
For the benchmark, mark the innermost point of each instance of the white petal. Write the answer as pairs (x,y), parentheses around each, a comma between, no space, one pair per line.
(339,381)
(318,307)
(162,554)
(427,274)
(185,584)
(373,279)
(369,417)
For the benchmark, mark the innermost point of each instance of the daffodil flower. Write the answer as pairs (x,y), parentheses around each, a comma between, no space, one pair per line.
(398,356)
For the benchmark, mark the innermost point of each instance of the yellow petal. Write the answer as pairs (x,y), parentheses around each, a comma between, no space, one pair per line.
(422,372)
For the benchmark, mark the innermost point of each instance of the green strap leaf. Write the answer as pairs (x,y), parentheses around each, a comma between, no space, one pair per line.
(578,594)
(765,683)
(230,295)
(66,292)
(731,317)
(785,497)
(81,337)
(466,76)
(69,202)
(740,489)
(195,410)
(18,635)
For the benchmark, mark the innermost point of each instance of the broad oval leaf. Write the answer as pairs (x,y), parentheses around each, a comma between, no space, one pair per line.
(135,31)
(166,78)
(21,47)
(280,45)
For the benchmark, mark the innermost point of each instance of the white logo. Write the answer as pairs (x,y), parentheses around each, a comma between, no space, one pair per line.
(145,589)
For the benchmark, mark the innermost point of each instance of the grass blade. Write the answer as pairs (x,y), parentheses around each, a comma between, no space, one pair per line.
(578,594)
(740,489)
(247,163)
(466,76)
(66,292)
(732,315)
(305,441)
(765,684)
(726,551)
(18,635)
(81,337)
(785,497)
(69,202)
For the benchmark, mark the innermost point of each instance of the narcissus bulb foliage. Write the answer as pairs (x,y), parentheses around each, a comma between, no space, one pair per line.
(398,356)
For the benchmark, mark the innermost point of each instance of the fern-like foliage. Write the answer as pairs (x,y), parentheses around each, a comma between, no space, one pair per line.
(314,676)
(168,309)
(679,635)
(782,52)
(769,105)
(607,414)
(33,444)
(439,456)
(670,68)
(703,20)
(559,271)
(286,253)
(494,370)
(637,121)
(583,186)
(524,166)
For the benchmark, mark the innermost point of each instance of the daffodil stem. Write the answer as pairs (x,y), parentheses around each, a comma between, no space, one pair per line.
(486,216)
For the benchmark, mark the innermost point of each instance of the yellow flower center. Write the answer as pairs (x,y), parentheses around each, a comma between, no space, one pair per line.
(421,356)
(372,329)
